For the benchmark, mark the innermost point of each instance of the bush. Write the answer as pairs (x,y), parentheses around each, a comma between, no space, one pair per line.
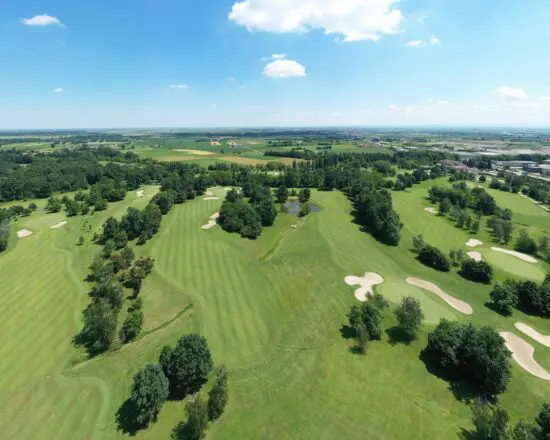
(197,422)
(433,257)
(217,398)
(526,244)
(477,271)
(504,298)
(131,327)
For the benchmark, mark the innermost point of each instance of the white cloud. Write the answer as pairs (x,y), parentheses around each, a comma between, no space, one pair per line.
(336,114)
(442,102)
(544,98)
(178,86)
(284,69)
(394,108)
(434,41)
(41,20)
(278,56)
(356,20)
(512,93)
(58,90)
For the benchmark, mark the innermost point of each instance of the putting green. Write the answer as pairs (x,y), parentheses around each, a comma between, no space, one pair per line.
(433,311)
(515,266)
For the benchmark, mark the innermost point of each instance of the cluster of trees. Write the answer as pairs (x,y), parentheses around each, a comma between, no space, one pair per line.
(501,225)
(365,321)
(295,153)
(477,199)
(478,271)
(491,422)
(527,296)
(464,353)
(528,245)
(6,215)
(374,211)
(247,219)
(182,370)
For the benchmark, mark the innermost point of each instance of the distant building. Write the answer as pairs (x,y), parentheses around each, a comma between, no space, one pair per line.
(545,170)
(514,163)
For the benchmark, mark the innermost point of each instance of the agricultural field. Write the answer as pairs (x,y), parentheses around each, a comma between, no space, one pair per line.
(272,311)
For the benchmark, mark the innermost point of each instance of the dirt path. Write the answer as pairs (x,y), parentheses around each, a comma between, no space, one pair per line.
(366,282)
(532,333)
(522,353)
(519,255)
(455,303)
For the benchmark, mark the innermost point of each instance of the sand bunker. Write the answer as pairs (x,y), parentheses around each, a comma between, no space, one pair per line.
(24,233)
(472,242)
(227,188)
(519,255)
(211,198)
(139,193)
(522,352)
(366,282)
(197,152)
(455,303)
(212,221)
(476,256)
(531,332)
(209,193)
(58,225)
(430,210)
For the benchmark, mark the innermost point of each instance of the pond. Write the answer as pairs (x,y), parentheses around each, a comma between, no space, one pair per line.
(293,207)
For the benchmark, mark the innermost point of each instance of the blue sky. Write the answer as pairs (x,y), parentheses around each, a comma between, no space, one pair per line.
(168,63)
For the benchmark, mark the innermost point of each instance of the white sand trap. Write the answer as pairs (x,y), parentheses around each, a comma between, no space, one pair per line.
(139,193)
(430,210)
(531,332)
(58,225)
(209,225)
(455,303)
(519,255)
(227,188)
(212,221)
(209,193)
(24,233)
(522,353)
(366,282)
(211,198)
(472,242)
(476,256)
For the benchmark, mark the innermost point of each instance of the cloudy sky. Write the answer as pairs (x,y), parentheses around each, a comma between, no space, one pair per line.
(186,63)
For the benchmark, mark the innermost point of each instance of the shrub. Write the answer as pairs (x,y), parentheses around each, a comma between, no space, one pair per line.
(478,271)
(433,257)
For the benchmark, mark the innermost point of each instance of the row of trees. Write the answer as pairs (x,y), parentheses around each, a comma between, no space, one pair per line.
(477,199)
(6,215)
(527,296)
(365,320)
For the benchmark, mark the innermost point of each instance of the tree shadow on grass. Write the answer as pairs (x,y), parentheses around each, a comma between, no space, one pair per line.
(347,332)
(397,335)
(465,434)
(491,306)
(126,419)
(462,390)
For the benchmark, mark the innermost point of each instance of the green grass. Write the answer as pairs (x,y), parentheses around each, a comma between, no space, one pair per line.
(515,266)
(271,310)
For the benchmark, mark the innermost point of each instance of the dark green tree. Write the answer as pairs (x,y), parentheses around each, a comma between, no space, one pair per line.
(282,194)
(131,328)
(433,257)
(504,298)
(100,320)
(477,271)
(149,392)
(197,422)
(187,365)
(490,422)
(525,243)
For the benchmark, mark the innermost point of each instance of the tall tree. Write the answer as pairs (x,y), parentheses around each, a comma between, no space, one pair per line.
(409,316)
(218,395)
(149,392)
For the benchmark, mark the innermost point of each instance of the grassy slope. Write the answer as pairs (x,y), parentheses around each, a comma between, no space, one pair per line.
(271,310)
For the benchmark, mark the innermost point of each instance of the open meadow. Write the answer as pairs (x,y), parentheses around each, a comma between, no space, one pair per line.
(272,311)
